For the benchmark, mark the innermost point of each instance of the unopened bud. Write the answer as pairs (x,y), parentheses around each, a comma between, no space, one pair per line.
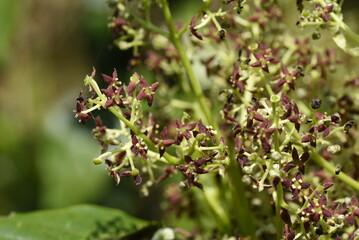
(334,149)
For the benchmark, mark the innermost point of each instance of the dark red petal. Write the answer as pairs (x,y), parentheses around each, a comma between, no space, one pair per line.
(138,179)
(196,34)
(187,135)
(281,82)
(265,144)
(256,64)
(109,103)
(154,86)
(350,219)
(312,203)
(333,205)
(326,132)
(325,17)
(323,200)
(293,118)
(191,126)
(164,133)
(285,216)
(327,185)
(305,185)
(288,166)
(285,99)
(321,128)
(304,157)
(131,87)
(200,171)
(306,138)
(329,8)
(295,155)
(107,79)
(327,213)
(193,21)
(141,95)
(188,159)
(315,217)
(298,176)
(114,75)
(258,117)
(269,131)
(284,69)
(134,140)
(258,56)
(142,83)
(168,142)
(149,100)
(178,124)
(286,184)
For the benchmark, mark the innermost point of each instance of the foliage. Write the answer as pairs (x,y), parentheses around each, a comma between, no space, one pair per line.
(76,222)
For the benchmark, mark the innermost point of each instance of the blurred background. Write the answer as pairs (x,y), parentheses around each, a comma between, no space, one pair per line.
(46,49)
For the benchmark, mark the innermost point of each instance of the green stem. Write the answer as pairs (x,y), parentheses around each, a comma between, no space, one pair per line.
(146,24)
(174,37)
(239,203)
(330,168)
(278,204)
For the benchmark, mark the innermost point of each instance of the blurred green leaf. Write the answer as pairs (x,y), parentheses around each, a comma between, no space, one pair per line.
(74,223)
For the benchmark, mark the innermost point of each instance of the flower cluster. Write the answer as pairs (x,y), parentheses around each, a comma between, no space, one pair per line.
(246,110)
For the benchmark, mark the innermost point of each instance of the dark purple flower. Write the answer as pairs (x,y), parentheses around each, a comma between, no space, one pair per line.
(138,148)
(264,58)
(286,77)
(162,142)
(147,91)
(193,167)
(184,130)
(81,106)
(110,80)
(317,209)
(295,185)
(234,80)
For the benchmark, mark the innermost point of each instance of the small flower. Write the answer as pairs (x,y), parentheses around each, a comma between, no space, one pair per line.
(146,91)
(81,106)
(324,11)
(110,80)
(295,185)
(184,130)
(286,77)
(264,58)
(316,209)
(138,148)
(193,167)
(162,142)
(234,80)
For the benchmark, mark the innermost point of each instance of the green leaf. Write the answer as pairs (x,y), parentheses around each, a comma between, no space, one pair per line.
(79,222)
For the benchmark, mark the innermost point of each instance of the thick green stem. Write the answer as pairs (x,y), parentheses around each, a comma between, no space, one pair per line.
(196,87)
(146,24)
(278,204)
(330,168)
